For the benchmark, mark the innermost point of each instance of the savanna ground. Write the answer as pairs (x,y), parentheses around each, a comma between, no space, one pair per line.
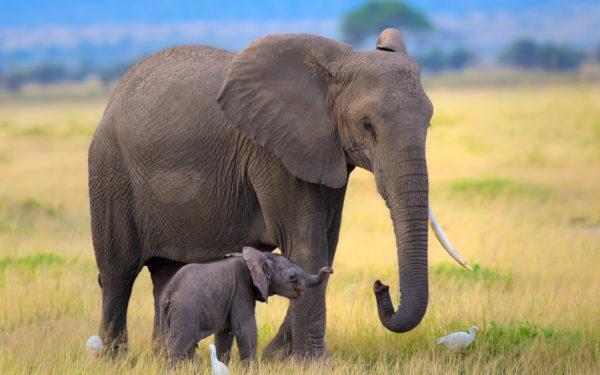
(515,181)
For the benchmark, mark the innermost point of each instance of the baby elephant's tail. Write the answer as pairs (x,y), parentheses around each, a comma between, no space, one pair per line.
(163,320)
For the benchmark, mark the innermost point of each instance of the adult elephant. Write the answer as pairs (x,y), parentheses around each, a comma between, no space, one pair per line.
(202,151)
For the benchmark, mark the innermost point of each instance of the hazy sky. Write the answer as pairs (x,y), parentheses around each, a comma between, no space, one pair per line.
(51,27)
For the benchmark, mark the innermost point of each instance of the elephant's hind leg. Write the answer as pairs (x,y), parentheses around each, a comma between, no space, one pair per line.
(113,327)
(116,244)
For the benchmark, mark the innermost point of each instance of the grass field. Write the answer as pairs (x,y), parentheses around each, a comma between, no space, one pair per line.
(515,181)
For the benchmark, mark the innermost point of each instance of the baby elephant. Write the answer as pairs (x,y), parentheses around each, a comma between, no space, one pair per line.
(219,298)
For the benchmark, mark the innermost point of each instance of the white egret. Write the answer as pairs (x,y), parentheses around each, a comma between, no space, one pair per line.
(218,367)
(458,340)
(94,344)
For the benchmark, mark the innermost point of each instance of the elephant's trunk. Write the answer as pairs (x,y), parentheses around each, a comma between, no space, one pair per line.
(314,280)
(405,188)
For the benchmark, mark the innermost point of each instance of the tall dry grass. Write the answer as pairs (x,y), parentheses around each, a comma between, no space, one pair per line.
(515,181)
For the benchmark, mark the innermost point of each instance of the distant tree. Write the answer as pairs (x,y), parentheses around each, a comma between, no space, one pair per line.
(114,72)
(83,70)
(49,73)
(526,53)
(372,17)
(553,57)
(521,53)
(45,73)
(14,78)
(433,61)
(460,58)
(437,60)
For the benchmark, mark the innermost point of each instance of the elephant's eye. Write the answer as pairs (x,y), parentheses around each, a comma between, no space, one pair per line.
(366,124)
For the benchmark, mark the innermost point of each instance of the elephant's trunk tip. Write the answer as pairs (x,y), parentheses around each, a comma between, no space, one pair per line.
(321,276)
(324,273)
(380,287)
(382,296)
(395,321)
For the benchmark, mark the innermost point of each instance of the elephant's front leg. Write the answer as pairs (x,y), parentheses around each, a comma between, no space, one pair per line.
(310,340)
(304,326)
(308,318)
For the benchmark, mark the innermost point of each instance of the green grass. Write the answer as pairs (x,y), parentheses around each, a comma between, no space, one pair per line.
(464,278)
(31,268)
(29,263)
(35,131)
(494,187)
(22,216)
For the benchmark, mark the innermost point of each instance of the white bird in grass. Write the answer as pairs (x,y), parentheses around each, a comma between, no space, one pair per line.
(218,367)
(458,340)
(94,344)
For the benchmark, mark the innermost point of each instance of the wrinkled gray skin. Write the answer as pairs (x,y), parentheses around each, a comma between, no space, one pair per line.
(219,298)
(201,151)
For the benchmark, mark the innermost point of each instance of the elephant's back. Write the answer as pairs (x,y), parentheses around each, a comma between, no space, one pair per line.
(176,66)
(166,81)
(166,101)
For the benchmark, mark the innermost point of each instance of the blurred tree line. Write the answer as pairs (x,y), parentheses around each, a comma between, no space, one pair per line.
(528,54)
(368,20)
(358,27)
(47,73)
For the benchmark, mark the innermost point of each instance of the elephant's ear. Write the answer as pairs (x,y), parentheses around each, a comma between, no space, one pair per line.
(256,262)
(391,39)
(275,93)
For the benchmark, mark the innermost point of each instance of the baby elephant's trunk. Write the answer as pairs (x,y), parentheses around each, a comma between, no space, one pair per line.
(314,280)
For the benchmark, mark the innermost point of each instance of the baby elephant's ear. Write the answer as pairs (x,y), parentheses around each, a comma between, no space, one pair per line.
(257,264)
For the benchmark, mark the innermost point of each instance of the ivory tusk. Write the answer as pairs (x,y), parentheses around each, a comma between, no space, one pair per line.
(441,236)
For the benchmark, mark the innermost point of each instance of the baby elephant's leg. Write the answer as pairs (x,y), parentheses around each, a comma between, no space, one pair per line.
(223,342)
(181,349)
(182,342)
(245,336)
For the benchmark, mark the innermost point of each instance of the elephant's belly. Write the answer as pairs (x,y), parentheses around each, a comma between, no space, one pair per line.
(193,193)
(183,220)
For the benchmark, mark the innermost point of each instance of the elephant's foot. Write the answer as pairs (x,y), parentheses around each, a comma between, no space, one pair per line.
(114,348)
(281,350)
(309,344)
(302,333)
(309,353)
(282,347)
(308,340)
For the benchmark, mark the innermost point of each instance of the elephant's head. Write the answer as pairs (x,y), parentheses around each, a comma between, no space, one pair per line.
(276,274)
(321,106)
